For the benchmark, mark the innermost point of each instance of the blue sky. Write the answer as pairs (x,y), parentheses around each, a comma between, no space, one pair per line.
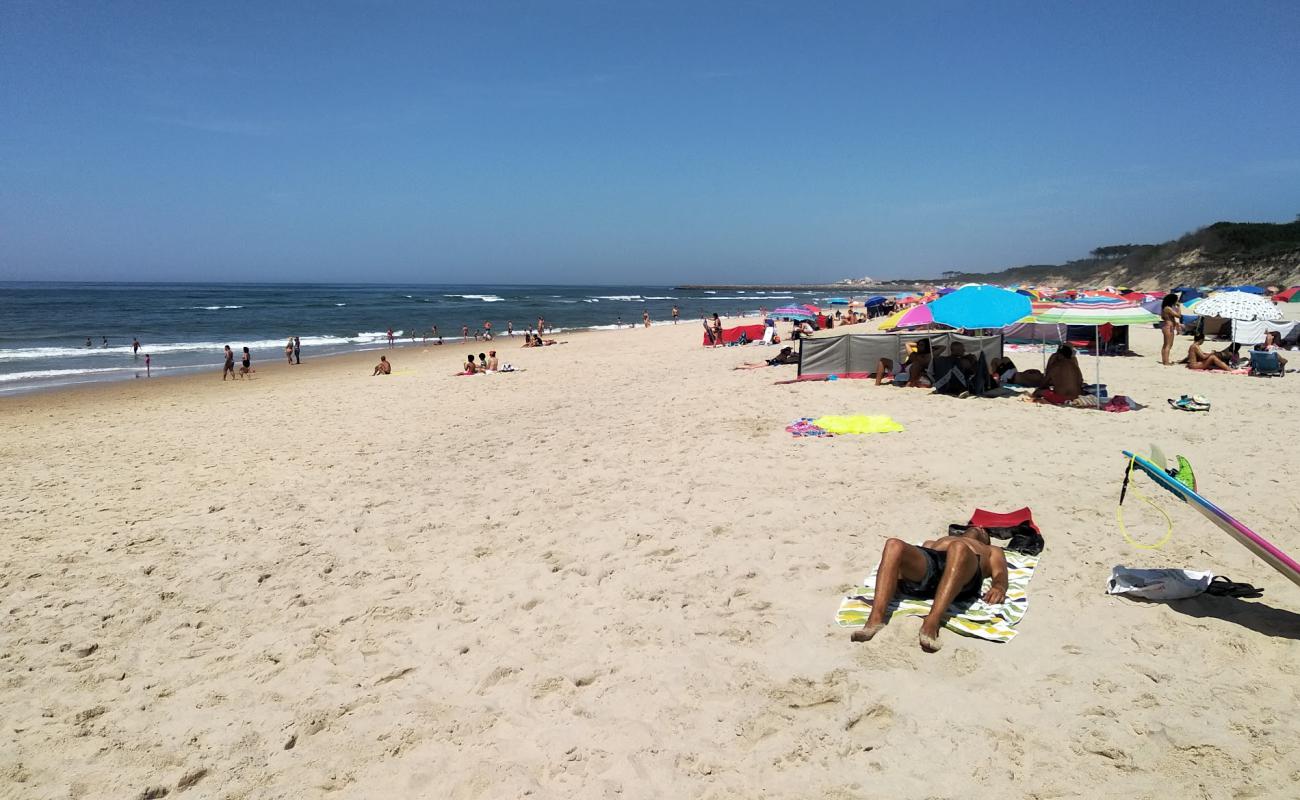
(629,142)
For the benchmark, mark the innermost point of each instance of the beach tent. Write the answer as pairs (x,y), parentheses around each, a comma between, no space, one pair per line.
(1238,305)
(855,355)
(838,301)
(1186,293)
(1248,289)
(1291,295)
(730,335)
(973,307)
(1035,332)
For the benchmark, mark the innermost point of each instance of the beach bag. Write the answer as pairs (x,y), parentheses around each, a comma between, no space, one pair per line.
(1158,584)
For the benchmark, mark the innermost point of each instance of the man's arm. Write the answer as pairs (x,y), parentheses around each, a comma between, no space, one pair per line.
(998,572)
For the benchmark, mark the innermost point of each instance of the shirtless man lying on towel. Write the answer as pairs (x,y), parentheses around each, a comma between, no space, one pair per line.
(951,568)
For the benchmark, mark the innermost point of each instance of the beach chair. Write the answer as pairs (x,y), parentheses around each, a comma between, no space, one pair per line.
(1266,364)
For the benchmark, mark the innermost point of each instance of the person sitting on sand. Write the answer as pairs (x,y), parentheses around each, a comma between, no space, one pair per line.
(917,362)
(1198,359)
(1062,380)
(945,570)
(1003,371)
(482,362)
(786,356)
(470,367)
(383,367)
(492,364)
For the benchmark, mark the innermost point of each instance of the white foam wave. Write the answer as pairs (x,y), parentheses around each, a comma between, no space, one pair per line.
(486,298)
(213,308)
(340,304)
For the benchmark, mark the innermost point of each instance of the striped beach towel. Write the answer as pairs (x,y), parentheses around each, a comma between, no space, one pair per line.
(979,619)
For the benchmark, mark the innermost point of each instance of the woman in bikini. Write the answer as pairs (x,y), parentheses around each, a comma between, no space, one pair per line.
(1198,359)
(1171,319)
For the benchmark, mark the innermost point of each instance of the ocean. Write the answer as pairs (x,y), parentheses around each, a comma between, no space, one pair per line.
(60,334)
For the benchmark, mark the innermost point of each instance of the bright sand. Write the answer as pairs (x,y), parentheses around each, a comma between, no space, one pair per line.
(614,575)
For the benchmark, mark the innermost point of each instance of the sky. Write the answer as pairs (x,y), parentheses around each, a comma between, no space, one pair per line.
(626,142)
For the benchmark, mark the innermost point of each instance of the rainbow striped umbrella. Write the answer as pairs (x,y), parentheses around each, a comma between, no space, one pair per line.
(1097,311)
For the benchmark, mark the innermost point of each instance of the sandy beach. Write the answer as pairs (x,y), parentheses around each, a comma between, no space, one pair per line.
(613,574)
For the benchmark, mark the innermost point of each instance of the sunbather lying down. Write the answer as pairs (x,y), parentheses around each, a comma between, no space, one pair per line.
(945,570)
(786,356)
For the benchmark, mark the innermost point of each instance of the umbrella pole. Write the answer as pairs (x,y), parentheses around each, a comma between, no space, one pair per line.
(1097,353)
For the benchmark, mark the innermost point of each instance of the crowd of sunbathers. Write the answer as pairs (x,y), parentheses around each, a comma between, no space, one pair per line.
(1059,383)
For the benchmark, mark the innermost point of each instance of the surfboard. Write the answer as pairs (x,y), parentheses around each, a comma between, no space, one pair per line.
(1265,550)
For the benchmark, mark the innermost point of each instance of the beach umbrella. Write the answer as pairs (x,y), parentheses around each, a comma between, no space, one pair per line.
(943,290)
(875,300)
(1238,305)
(980,307)
(1249,289)
(1030,293)
(914,317)
(1291,295)
(791,312)
(1097,311)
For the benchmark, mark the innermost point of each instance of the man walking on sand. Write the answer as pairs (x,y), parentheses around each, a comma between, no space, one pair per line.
(390,339)
(297,350)
(230,364)
(676,312)
(510,328)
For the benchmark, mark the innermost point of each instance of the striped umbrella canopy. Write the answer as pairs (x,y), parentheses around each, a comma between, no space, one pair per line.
(792,312)
(1097,311)
(1030,293)
(1238,305)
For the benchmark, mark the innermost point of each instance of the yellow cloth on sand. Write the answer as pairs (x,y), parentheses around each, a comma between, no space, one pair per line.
(857,423)
(979,619)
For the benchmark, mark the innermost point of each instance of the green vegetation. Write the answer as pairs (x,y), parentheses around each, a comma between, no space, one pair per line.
(1266,250)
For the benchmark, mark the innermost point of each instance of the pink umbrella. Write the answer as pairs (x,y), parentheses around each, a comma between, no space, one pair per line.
(915,317)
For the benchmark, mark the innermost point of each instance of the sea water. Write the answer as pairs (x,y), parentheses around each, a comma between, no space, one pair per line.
(182,327)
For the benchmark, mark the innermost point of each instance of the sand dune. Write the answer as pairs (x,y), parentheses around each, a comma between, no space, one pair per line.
(614,575)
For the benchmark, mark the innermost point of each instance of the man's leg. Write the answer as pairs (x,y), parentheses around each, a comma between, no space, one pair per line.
(884,368)
(899,560)
(961,565)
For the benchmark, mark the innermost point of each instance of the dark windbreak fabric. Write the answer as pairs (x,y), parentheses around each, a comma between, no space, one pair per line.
(855,355)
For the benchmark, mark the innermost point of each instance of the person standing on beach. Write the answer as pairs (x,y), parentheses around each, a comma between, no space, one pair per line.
(297,350)
(510,328)
(230,364)
(246,367)
(676,312)
(436,335)
(717,331)
(541,325)
(464,333)
(147,373)
(645,318)
(390,338)
(487,329)
(1171,319)
(288,352)
(135,347)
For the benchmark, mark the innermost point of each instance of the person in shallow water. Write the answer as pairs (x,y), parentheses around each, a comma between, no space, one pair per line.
(944,570)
